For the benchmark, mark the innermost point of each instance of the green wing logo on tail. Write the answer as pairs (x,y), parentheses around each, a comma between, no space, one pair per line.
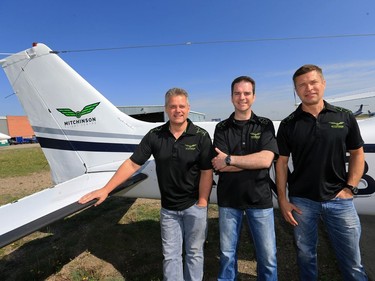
(86,110)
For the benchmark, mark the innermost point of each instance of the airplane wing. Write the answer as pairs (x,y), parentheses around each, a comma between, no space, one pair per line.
(36,211)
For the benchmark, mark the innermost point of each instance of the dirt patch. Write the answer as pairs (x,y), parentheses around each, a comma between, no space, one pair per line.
(85,265)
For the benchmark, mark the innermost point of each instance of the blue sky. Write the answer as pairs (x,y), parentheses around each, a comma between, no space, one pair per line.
(141,76)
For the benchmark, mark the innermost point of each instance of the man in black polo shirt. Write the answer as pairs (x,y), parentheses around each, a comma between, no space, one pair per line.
(246,146)
(183,153)
(318,135)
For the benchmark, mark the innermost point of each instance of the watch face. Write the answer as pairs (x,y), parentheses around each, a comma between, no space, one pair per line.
(227,160)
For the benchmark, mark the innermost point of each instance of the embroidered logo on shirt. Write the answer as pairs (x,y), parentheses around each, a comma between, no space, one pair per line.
(337,125)
(190,146)
(255,136)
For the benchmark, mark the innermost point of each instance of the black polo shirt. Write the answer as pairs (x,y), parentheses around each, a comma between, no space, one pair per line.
(178,162)
(318,149)
(247,188)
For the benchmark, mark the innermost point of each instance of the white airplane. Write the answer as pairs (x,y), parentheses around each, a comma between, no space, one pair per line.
(4,136)
(85,138)
(4,139)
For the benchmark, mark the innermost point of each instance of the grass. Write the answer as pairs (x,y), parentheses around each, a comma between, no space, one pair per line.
(22,162)
(120,240)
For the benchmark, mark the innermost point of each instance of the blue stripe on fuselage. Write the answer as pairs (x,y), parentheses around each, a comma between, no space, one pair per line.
(85,146)
(114,147)
(369,148)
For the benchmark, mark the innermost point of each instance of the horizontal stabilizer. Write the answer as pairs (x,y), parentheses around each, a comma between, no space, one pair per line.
(30,206)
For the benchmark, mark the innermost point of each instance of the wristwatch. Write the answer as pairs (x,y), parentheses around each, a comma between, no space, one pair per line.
(228,160)
(353,189)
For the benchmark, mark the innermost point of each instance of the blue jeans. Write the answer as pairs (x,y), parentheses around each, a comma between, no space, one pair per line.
(188,227)
(262,229)
(344,230)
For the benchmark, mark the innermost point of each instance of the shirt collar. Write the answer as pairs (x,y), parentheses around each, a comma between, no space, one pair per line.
(327,107)
(253,118)
(189,128)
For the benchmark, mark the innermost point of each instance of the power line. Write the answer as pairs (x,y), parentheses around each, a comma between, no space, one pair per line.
(189,43)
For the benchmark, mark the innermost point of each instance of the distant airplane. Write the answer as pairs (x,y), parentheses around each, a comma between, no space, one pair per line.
(359,111)
(85,138)
(4,139)
(4,136)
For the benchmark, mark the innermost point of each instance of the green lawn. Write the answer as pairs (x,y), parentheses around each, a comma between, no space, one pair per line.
(21,162)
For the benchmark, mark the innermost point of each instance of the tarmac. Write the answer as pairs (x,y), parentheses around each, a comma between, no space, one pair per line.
(368,245)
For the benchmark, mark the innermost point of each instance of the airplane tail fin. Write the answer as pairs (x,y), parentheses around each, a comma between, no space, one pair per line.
(72,121)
